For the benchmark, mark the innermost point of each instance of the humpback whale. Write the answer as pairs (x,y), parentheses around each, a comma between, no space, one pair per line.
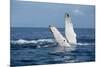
(69,39)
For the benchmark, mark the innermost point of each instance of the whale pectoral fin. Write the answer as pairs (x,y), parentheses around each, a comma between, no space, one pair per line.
(69,30)
(58,37)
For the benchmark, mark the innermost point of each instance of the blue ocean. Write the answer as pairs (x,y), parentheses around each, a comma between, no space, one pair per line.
(36,46)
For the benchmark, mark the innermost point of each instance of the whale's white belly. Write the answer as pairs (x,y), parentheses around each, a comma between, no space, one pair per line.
(59,37)
(70,36)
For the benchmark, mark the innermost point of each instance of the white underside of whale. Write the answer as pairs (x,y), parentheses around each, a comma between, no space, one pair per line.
(70,36)
(59,38)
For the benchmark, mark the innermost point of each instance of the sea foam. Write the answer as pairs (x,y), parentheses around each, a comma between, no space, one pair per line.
(22,41)
(40,41)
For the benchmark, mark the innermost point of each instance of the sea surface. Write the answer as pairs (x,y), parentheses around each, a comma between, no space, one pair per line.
(36,46)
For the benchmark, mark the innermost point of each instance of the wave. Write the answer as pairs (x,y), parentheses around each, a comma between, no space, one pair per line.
(41,41)
(22,41)
(84,44)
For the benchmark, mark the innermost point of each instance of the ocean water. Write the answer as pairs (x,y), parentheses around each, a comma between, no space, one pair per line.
(36,46)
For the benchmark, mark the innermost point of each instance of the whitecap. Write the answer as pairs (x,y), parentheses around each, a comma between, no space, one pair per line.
(40,41)
(84,44)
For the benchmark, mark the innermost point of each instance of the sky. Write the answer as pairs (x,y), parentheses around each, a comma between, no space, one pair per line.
(39,14)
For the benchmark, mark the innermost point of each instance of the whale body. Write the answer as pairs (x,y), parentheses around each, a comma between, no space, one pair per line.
(70,36)
(59,38)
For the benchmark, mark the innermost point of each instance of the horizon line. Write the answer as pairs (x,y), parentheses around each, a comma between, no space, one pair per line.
(48,27)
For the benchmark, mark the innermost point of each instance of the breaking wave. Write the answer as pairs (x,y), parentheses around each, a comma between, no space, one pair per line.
(39,41)
(22,41)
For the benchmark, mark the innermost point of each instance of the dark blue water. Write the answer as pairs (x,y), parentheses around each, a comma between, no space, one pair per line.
(35,46)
